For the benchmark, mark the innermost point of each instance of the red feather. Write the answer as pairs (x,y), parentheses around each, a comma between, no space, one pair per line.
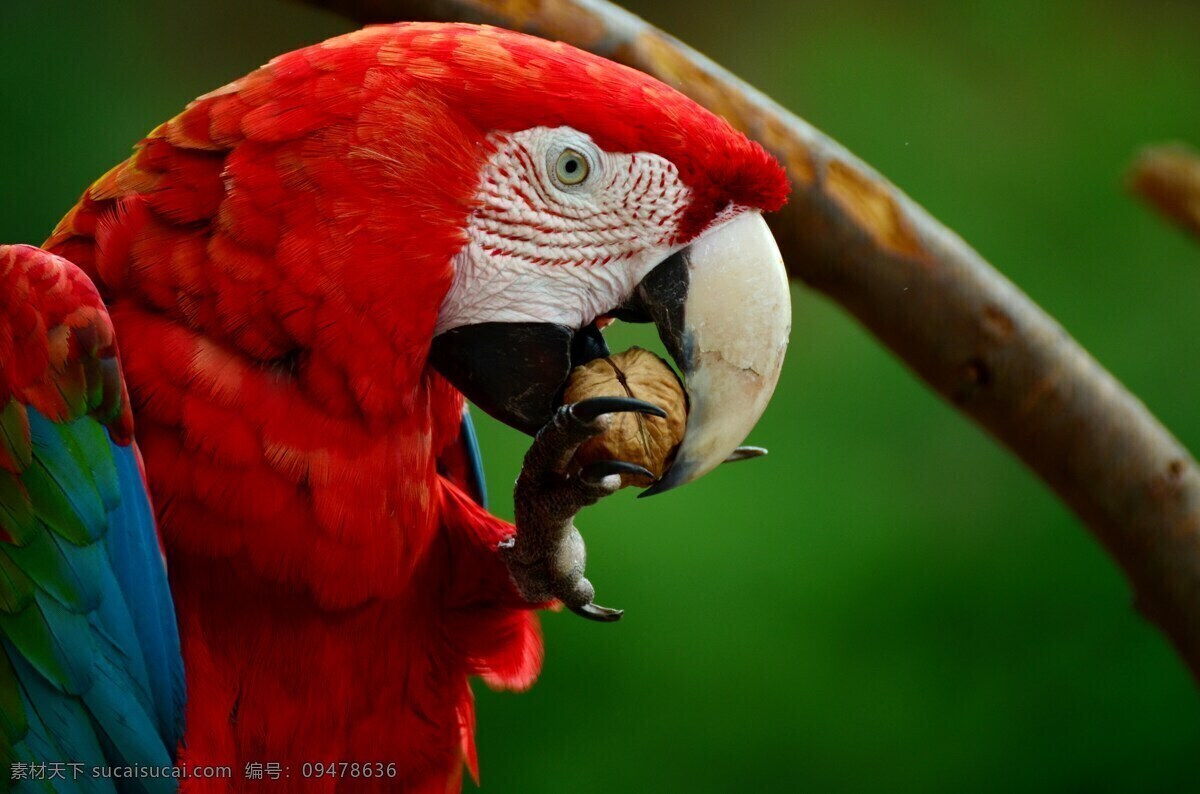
(57,348)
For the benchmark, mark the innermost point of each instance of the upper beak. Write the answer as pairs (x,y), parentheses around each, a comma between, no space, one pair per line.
(723,310)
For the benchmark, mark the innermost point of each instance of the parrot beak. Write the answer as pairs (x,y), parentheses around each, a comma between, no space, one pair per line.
(515,372)
(723,310)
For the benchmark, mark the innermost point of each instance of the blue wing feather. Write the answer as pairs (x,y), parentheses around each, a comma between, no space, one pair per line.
(57,724)
(55,452)
(470,444)
(96,653)
(136,560)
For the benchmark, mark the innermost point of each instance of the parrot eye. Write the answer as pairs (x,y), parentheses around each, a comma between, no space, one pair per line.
(572,167)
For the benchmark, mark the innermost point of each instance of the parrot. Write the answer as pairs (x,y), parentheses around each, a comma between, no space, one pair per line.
(308,274)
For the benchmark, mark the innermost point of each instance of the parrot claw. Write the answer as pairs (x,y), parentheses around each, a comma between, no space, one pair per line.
(745,453)
(547,555)
(592,408)
(598,613)
(594,473)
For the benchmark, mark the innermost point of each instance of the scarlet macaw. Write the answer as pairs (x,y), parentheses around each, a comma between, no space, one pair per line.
(307,269)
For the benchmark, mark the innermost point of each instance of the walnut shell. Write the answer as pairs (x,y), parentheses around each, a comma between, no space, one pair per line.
(646,440)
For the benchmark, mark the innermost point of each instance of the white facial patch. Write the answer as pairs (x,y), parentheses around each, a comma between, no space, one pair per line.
(545,245)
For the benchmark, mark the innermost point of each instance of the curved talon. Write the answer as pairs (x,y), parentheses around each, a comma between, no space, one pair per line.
(594,472)
(598,613)
(546,556)
(745,453)
(590,409)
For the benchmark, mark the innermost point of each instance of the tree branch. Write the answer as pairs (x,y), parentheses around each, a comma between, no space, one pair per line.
(1167,177)
(957,322)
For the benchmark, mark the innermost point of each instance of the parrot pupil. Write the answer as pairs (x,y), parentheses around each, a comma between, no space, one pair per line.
(572,167)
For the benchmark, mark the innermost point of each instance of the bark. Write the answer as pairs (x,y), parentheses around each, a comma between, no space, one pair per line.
(1167,177)
(954,319)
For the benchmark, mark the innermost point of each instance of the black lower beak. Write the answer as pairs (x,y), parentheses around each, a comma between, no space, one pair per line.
(515,372)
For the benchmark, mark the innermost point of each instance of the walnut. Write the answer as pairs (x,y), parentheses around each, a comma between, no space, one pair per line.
(646,440)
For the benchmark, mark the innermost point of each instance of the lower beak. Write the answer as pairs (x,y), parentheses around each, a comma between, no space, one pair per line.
(515,372)
(723,311)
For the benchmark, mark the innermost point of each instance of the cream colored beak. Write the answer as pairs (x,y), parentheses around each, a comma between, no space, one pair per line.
(727,326)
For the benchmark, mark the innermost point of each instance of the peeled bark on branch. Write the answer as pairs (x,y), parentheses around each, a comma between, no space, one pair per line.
(1167,177)
(958,323)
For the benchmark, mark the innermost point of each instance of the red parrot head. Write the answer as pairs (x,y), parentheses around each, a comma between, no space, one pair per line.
(599,192)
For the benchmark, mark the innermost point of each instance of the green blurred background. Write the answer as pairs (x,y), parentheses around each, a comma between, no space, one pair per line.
(890,601)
